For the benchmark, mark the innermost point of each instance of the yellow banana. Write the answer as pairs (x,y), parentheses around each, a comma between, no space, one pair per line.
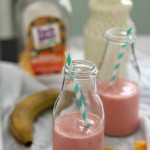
(27,110)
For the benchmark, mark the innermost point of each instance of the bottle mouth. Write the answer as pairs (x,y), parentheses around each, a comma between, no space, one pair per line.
(83,69)
(118,35)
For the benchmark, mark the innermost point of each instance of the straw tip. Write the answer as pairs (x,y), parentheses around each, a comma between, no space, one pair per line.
(88,125)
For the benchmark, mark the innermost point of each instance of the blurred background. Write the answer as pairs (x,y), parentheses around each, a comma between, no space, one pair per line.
(79,16)
(140,15)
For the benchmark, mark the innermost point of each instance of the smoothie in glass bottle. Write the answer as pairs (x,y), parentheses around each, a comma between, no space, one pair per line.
(70,133)
(121,105)
(119,84)
(69,130)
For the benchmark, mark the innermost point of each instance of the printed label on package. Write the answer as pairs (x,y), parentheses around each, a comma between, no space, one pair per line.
(47,43)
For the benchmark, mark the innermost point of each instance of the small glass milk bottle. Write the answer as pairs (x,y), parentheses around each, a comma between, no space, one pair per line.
(69,131)
(119,83)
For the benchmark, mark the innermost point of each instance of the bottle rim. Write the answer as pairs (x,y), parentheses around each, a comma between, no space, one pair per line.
(118,35)
(83,69)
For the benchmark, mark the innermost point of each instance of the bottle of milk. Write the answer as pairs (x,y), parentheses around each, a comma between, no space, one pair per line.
(78,103)
(119,83)
(104,14)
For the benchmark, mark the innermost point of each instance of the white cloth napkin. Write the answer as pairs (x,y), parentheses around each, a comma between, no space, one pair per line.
(15,83)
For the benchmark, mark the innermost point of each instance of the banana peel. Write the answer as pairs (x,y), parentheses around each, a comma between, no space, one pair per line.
(27,110)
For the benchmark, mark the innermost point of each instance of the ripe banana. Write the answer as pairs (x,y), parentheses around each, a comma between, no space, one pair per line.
(27,110)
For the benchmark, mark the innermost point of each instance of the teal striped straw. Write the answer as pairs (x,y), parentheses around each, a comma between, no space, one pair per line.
(119,58)
(77,91)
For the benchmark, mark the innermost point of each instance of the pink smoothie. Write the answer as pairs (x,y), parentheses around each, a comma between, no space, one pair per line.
(70,134)
(121,106)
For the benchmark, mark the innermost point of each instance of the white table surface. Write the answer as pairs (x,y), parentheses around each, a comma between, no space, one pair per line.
(143,55)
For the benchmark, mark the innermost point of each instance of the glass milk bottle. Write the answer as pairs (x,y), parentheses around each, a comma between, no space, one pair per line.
(104,14)
(119,84)
(69,130)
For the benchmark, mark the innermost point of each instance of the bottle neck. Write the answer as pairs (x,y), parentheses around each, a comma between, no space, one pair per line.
(118,41)
(85,85)
(119,36)
(119,56)
(84,74)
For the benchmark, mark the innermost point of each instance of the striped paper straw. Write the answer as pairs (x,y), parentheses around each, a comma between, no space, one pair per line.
(119,58)
(77,91)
